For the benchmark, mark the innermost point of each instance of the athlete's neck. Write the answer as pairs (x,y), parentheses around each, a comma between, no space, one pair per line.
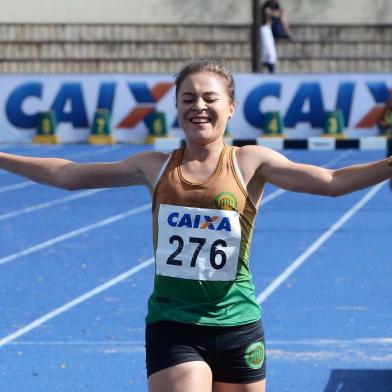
(203,152)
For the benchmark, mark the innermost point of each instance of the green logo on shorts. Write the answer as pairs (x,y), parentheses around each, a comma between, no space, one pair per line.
(254,355)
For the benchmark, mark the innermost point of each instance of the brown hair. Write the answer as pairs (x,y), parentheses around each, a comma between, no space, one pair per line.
(219,67)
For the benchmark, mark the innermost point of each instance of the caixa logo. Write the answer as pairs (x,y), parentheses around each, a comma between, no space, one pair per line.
(197,221)
(70,107)
(308,106)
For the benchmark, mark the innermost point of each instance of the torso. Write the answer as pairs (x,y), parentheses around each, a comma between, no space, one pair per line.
(189,207)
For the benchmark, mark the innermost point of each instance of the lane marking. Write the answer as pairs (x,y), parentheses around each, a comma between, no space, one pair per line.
(335,342)
(337,159)
(74,233)
(317,244)
(51,203)
(18,185)
(345,355)
(303,342)
(77,343)
(271,196)
(78,300)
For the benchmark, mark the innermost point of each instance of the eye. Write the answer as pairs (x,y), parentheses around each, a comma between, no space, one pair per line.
(211,100)
(187,100)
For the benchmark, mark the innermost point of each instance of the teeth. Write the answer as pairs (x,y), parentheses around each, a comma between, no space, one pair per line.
(199,120)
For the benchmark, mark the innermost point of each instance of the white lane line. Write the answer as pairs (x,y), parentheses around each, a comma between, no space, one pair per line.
(51,203)
(74,233)
(302,342)
(16,186)
(78,343)
(316,245)
(271,196)
(69,305)
(341,156)
(334,342)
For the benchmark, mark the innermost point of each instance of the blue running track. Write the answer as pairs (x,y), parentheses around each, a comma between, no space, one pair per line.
(76,272)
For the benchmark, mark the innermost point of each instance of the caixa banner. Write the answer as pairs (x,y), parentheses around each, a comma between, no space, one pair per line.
(301,99)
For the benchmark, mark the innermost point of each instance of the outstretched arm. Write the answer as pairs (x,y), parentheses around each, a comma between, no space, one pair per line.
(317,180)
(138,169)
(271,166)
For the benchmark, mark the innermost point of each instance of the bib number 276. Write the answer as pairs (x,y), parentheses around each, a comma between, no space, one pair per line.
(217,255)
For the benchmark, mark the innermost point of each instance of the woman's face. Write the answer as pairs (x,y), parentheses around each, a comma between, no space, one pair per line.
(204,106)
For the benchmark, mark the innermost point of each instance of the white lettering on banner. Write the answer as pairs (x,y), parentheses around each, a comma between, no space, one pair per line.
(197,243)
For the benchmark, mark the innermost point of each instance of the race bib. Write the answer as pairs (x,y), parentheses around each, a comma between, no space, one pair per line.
(197,243)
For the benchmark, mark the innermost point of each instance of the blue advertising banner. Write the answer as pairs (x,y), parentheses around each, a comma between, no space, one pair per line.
(301,99)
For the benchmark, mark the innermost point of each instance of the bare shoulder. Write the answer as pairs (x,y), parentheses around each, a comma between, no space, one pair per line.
(252,159)
(146,163)
(149,157)
(254,156)
(249,159)
(146,159)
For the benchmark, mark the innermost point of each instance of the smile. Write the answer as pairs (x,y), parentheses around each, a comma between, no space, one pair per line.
(200,120)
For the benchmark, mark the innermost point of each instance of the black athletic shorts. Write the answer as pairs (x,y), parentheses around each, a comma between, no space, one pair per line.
(234,354)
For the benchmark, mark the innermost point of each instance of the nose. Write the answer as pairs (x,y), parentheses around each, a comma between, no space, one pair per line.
(199,105)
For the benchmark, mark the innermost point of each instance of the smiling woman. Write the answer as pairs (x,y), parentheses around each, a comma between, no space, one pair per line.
(203,328)
(204,104)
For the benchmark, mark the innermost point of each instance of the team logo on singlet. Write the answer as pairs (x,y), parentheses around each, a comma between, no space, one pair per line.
(225,201)
(254,355)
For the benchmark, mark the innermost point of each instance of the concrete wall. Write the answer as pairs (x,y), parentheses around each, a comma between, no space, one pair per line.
(127,11)
(237,12)
(339,11)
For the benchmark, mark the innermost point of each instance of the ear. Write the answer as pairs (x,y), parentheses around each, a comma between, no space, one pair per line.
(231,109)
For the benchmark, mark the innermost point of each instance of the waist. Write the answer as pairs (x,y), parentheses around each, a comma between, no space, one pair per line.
(203,303)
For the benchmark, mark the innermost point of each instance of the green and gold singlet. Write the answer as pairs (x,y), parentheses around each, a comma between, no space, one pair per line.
(202,235)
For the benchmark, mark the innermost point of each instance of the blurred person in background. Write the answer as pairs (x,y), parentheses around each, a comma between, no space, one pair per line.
(268,48)
(279,20)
